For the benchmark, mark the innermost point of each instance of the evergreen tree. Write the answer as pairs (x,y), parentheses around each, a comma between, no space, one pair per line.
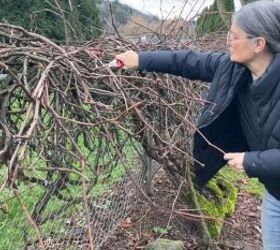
(211,20)
(57,19)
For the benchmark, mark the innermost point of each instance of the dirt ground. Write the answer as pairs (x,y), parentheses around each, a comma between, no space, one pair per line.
(145,224)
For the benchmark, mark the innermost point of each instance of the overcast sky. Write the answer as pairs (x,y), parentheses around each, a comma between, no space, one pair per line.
(171,8)
(162,8)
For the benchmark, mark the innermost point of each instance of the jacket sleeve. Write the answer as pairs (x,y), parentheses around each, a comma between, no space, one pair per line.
(192,65)
(262,163)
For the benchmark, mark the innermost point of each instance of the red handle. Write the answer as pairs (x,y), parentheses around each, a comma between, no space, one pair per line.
(119,64)
(116,64)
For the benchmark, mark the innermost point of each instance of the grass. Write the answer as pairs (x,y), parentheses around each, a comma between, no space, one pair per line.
(13,222)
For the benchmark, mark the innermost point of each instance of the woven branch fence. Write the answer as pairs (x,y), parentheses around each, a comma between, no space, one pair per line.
(73,132)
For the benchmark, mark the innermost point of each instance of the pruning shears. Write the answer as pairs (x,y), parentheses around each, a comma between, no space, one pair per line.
(115,63)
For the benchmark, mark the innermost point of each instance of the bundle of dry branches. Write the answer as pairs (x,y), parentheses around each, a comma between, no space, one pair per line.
(68,121)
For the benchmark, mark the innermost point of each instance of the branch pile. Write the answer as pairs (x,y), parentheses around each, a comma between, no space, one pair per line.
(68,120)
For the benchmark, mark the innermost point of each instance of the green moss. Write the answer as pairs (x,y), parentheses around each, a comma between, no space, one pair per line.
(218,200)
(250,185)
(254,187)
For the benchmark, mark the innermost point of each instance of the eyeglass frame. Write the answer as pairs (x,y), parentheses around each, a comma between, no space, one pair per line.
(229,40)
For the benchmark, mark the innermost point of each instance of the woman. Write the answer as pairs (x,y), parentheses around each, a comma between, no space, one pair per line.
(245,120)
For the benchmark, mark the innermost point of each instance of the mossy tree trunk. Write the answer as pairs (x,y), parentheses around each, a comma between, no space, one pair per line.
(206,237)
(216,200)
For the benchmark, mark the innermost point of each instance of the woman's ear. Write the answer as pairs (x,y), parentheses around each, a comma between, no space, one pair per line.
(260,44)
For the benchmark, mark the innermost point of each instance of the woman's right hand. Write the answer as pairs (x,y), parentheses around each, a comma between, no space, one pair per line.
(130,59)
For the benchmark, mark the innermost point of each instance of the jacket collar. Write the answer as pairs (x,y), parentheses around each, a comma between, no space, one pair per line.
(263,87)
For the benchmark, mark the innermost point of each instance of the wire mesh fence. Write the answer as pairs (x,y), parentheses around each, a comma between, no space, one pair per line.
(63,224)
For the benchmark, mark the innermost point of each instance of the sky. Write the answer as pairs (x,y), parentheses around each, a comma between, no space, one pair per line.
(171,8)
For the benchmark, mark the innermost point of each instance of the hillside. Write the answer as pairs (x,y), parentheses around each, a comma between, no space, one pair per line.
(126,19)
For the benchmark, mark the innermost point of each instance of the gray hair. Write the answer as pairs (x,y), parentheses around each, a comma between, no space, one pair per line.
(261,19)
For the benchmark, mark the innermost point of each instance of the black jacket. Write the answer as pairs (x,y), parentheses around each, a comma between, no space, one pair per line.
(219,121)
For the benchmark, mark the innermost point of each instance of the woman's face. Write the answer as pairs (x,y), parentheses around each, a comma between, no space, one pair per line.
(241,45)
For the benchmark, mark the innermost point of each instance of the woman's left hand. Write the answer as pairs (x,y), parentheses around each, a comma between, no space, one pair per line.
(235,159)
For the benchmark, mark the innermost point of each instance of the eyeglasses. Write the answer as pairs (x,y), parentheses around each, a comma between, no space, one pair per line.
(232,37)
